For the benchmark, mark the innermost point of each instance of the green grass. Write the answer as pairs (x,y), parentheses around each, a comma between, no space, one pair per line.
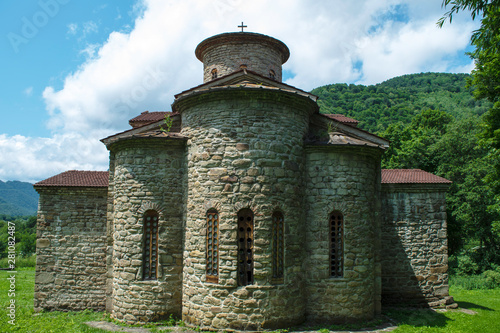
(485,302)
(26,321)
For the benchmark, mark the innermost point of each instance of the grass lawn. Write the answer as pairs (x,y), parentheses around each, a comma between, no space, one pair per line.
(57,322)
(485,302)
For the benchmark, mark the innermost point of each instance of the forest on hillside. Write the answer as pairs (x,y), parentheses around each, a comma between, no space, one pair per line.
(17,198)
(434,123)
(400,99)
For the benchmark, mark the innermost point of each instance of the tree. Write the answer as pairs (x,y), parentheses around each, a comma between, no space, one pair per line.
(486,81)
(465,163)
(411,144)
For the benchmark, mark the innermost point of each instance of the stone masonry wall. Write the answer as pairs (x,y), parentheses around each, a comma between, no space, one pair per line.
(228,58)
(245,151)
(148,175)
(71,249)
(347,180)
(414,244)
(109,234)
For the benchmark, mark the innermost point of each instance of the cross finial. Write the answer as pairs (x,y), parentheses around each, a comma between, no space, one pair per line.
(242,26)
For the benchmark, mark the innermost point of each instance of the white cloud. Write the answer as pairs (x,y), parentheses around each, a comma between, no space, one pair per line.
(411,48)
(143,69)
(90,50)
(72,29)
(89,27)
(28,91)
(33,159)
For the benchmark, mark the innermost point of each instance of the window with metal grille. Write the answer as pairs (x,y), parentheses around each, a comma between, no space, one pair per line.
(150,251)
(212,246)
(214,73)
(278,247)
(336,244)
(245,247)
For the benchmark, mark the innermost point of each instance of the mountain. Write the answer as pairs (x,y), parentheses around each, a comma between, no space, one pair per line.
(400,98)
(17,198)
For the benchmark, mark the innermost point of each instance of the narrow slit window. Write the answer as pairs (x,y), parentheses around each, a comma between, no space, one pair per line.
(336,244)
(272,75)
(214,73)
(212,246)
(245,247)
(278,247)
(150,250)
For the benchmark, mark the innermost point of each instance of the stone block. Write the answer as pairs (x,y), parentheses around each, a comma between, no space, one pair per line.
(439,269)
(44,278)
(242,146)
(42,243)
(229,179)
(242,163)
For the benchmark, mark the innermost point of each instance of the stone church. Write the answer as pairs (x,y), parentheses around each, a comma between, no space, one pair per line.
(242,208)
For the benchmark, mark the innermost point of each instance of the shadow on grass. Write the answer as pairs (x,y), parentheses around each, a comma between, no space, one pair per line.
(472,306)
(417,317)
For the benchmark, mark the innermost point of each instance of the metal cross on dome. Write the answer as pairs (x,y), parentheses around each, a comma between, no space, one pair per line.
(242,26)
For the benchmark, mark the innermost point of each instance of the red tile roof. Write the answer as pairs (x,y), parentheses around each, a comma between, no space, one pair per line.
(411,176)
(74,178)
(148,117)
(342,119)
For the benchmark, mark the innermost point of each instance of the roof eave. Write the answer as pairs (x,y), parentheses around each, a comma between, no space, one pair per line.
(220,82)
(130,132)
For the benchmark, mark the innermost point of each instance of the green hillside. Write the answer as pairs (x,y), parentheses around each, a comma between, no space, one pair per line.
(400,99)
(17,198)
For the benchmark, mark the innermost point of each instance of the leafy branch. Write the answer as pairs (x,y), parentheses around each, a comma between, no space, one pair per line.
(167,121)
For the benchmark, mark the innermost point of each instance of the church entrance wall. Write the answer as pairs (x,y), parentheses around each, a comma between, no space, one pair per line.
(343,276)
(414,243)
(71,249)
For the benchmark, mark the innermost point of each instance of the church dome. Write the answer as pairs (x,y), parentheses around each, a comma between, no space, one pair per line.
(226,53)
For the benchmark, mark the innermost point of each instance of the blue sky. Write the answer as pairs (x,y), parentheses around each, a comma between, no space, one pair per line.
(75,71)
(34,58)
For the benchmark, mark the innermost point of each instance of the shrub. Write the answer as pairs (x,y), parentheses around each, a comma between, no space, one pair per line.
(492,278)
(487,280)
(20,262)
(466,265)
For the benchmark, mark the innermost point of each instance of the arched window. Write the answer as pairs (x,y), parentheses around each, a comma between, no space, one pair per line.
(245,247)
(272,74)
(243,66)
(212,246)
(214,73)
(278,247)
(150,249)
(336,244)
